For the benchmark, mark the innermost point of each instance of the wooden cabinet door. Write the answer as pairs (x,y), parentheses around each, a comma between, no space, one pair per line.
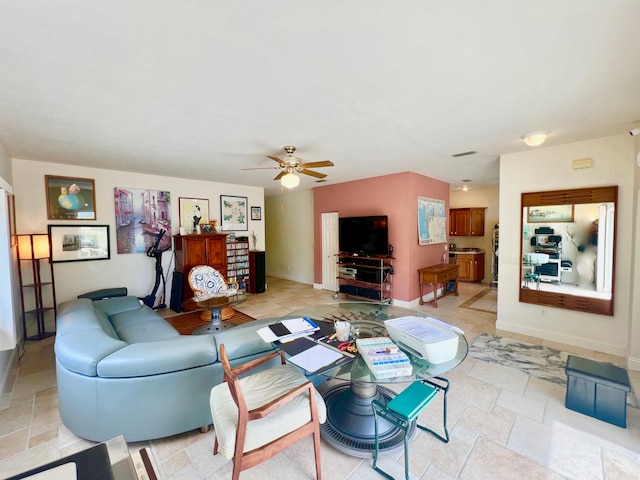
(477,222)
(464,266)
(462,222)
(217,252)
(195,252)
(478,268)
(452,222)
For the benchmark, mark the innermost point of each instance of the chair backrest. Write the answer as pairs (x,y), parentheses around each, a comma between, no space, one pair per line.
(206,282)
(234,385)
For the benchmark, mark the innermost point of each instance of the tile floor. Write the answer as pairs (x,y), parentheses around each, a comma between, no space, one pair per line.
(504,424)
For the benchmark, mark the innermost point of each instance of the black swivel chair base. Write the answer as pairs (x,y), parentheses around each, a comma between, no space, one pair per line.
(403,410)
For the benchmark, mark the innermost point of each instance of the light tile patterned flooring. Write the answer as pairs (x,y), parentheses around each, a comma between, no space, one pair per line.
(504,424)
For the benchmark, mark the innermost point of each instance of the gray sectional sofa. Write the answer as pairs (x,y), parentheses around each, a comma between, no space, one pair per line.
(123,370)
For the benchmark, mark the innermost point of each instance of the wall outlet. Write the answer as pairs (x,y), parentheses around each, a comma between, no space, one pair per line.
(543,312)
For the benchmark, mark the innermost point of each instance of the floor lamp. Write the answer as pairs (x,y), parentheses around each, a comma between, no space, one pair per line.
(34,247)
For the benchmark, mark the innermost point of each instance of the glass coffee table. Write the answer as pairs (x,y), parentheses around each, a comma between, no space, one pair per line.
(350,421)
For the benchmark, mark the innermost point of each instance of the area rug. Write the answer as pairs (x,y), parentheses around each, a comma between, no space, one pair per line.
(483,301)
(186,323)
(535,360)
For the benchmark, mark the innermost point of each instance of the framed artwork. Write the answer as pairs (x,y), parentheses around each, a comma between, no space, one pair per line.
(193,212)
(143,219)
(11,205)
(256,213)
(233,212)
(431,221)
(70,198)
(550,213)
(72,243)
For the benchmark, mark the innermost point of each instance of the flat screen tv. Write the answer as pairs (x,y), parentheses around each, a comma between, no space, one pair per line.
(364,235)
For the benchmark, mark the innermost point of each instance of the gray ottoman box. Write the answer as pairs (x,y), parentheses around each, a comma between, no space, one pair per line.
(597,389)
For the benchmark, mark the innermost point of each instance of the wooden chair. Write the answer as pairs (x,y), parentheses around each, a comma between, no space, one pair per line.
(259,415)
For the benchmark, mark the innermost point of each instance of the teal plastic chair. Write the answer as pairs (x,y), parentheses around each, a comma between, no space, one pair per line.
(402,411)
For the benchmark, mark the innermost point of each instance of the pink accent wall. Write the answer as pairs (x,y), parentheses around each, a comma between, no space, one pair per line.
(397,197)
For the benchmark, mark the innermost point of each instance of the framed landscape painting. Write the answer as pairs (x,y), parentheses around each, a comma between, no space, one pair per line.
(233,212)
(71,243)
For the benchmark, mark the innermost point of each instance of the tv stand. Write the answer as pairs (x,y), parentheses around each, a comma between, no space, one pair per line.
(367,278)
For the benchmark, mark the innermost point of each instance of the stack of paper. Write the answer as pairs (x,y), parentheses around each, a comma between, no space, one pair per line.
(288,330)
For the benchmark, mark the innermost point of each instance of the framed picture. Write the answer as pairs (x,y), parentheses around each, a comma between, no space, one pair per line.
(256,213)
(193,212)
(11,205)
(70,198)
(550,214)
(71,243)
(233,212)
(208,228)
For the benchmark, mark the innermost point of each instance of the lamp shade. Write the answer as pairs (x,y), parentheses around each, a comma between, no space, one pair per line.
(33,246)
(290,180)
(534,139)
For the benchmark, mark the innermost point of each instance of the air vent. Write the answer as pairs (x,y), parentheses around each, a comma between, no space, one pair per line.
(464,154)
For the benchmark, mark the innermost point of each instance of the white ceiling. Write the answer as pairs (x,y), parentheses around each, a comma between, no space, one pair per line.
(202,89)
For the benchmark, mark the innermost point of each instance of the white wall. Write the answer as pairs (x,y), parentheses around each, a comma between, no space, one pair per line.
(550,169)
(135,271)
(290,235)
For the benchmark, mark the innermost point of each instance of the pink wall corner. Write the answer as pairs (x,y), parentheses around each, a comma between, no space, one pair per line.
(397,197)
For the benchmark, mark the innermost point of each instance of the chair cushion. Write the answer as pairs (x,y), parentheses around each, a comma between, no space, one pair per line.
(259,389)
(206,282)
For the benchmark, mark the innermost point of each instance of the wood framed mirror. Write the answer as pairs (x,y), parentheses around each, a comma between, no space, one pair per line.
(568,249)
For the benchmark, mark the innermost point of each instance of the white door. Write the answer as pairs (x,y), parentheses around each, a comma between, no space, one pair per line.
(329,251)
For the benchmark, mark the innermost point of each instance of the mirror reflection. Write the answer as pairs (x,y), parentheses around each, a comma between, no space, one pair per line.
(569,248)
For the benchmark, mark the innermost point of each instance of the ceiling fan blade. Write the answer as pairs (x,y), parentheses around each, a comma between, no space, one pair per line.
(324,163)
(280,175)
(276,159)
(312,173)
(260,168)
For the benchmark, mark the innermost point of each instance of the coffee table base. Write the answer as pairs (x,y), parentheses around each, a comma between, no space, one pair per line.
(214,326)
(350,425)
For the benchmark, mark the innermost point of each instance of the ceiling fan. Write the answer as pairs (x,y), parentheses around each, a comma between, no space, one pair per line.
(290,165)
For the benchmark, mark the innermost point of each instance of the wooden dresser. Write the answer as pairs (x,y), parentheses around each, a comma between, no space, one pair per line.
(204,249)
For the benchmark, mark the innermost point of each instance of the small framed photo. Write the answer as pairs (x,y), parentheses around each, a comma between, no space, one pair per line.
(233,212)
(70,198)
(193,212)
(256,213)
(72,243)
(208,228)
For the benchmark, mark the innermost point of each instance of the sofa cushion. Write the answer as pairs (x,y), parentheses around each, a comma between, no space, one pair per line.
(164,356)
(142,325)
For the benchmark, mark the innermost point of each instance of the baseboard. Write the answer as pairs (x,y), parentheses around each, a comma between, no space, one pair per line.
(567,339)
(633,363)
(8,359)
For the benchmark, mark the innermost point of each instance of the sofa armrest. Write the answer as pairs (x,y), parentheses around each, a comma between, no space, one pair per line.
(105,293)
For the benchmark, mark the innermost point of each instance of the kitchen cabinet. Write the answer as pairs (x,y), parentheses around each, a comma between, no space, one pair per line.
(470,266)
(466,222)
(193,250)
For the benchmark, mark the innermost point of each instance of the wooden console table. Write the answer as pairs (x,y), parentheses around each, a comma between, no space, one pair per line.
(436,274)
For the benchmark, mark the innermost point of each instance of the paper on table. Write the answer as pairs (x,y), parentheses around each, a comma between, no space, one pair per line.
(315,358)
(296,325)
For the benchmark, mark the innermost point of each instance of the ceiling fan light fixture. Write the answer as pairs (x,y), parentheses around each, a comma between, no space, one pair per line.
(535,139)
(290,180)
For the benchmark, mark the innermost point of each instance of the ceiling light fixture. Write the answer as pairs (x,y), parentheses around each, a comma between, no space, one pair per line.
(465,188)
(535,139)
(290,180)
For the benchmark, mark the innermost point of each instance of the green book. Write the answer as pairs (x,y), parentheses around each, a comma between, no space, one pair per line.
(410,402)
